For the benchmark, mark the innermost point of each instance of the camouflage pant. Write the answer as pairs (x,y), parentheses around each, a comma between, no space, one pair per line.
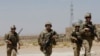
(87,45)
(47,51)
(11,51)
(76,48)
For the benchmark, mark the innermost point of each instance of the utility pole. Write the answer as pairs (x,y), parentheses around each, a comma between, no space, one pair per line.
(71,13)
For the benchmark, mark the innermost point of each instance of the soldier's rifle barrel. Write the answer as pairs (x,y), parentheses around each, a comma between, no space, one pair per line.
(20,31)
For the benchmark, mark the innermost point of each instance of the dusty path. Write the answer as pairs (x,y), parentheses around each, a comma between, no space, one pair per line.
(34,51)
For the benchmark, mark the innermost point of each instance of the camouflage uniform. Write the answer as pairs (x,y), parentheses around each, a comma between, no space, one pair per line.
(88,34)
(46,41)
(14,39)
(77,41)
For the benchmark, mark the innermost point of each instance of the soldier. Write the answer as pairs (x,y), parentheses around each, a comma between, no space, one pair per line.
(88,34)
(47,39)
(12,39)
(76,40)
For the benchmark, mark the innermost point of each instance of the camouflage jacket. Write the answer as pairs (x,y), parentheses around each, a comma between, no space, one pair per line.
(92,30)
(90,25)
(45,37)
(13,37)
(77,35)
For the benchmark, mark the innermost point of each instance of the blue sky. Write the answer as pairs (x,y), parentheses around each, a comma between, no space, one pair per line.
(31,15)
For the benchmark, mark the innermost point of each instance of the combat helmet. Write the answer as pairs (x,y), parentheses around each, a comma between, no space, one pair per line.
(48,23)
(13,27)
(88,15)
(77,25)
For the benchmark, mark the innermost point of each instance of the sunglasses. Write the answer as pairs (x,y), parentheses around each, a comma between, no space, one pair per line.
(88,17)
(13,29)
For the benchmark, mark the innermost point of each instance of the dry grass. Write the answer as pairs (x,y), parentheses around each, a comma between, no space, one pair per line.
(29,43)
(62,44)
(2,43)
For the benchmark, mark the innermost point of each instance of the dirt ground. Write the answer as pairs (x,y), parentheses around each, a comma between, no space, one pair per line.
(58,51)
